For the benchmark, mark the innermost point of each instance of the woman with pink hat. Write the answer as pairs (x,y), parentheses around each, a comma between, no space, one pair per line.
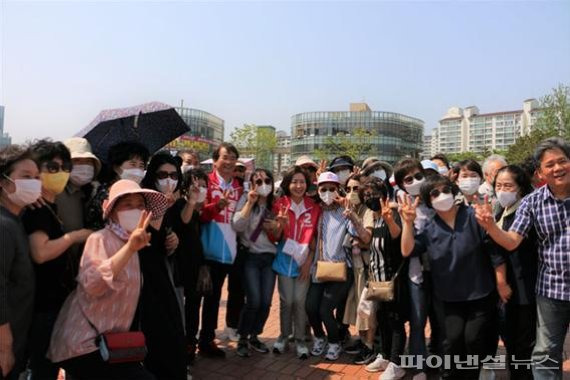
(109,283)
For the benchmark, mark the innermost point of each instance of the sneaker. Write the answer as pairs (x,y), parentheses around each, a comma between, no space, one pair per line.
(393,372)
(420,376)
(232,334)
(211,350)
(302,350)
(379,364)
(333,352)
(365,356)
(191,352)
(280,345)
(319,345)
(258,345)
(354,348)
(243,348)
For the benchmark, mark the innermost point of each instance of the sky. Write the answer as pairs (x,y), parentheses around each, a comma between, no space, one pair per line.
(262,62)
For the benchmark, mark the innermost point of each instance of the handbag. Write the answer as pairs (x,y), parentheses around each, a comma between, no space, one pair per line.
(383,291)
(120,347)
(326,270)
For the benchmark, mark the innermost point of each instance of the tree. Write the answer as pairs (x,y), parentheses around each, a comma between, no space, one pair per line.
(356,145)
(256,142)
(553,120)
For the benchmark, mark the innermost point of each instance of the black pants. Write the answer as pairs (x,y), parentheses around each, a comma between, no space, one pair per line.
(392,334)
(40,335)
(92,367)
(520,336)
(236,290)
(322,299)
(470,327)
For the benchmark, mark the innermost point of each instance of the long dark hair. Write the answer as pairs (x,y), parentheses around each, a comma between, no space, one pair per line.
(159,159)
(270,176)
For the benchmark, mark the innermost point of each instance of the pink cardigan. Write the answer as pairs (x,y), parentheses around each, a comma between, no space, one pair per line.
(108,301)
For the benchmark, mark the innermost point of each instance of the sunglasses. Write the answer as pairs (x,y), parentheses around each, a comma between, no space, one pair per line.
(325,189)
(260,181)
(164,175)
(351,188)
(436,192)
(54,167)
(410,179)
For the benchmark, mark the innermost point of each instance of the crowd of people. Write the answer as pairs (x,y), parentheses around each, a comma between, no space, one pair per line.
(99,252)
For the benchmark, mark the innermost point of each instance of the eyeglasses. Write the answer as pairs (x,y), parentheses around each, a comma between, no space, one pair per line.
(410,179)
(434,193)
(351,188)
(54,166)
(164,175)
(260,182)
(329,189)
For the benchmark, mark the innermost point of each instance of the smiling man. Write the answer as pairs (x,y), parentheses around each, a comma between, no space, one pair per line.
(548,211)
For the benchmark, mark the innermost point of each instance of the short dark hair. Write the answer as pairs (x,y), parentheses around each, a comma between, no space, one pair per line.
(159,159)
(288,177)
(529,166)
(441,157)
(374,184)
(433,182)
(11,155)
(125,151)
(520,176)
(404,167)
(46,150)
(229,148)
(188,178)
(551,144)
(471,165)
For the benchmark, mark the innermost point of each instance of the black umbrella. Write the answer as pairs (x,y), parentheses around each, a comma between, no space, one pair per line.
(152,124)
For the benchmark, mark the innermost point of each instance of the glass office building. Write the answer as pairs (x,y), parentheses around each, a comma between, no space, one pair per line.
(390,135)
(206,132)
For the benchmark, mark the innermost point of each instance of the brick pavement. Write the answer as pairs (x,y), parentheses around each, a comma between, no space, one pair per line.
(287,366)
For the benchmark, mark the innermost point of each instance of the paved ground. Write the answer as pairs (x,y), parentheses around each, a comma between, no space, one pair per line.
(287,366)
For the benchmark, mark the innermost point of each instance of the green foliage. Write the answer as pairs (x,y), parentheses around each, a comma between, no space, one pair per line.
(356,145)
(256,142)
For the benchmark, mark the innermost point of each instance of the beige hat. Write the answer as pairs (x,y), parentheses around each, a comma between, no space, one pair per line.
(80,148)
(305,160)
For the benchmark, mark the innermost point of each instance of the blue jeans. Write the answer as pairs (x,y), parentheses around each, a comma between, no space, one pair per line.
(552,326)
(259,285)
(418,316)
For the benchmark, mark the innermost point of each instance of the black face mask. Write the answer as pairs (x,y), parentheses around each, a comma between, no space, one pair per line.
(373,204)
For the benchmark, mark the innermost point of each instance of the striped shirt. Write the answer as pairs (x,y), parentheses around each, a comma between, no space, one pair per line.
(551,219)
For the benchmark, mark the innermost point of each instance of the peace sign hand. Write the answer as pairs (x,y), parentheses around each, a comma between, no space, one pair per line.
(484,213)
(139,237)
(386,212)
(322,167)
(252,197)
(407,208)
(282,217)
(223,201)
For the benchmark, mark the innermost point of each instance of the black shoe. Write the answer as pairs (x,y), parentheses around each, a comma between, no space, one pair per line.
(211,350)
(354,348)
(258,345)
(365,356)
(243,348)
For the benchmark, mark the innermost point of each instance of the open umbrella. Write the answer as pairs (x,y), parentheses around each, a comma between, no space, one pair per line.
(152,124)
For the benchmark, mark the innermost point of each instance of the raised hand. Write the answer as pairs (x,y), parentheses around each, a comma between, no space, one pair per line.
(282,217)
(193,194)
(139,237)
(252,197)
(386,210)
(223,201)
(348,209)
(322,167)
(484,213)
(356,170)
(407,208)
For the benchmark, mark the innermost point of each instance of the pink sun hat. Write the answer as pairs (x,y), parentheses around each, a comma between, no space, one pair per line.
(328,177)
(155,201)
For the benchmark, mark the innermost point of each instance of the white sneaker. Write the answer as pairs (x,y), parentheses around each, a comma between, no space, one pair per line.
(393,372)
(333,352)
(319,345)
(280,345)
(420,376)
(232,334)
(302,350)
(379,364)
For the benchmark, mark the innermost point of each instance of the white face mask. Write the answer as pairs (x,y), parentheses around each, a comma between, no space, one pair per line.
(443,170)
(82,174)
(133,174)
(129,219)
(202,195)
(469,186)
(27,191)
(414,187)
(380,174)
(486,189)
(507,198)
(263,190)
(186,168)
(327,197)
(167,185)
(343,176)
(443,202)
